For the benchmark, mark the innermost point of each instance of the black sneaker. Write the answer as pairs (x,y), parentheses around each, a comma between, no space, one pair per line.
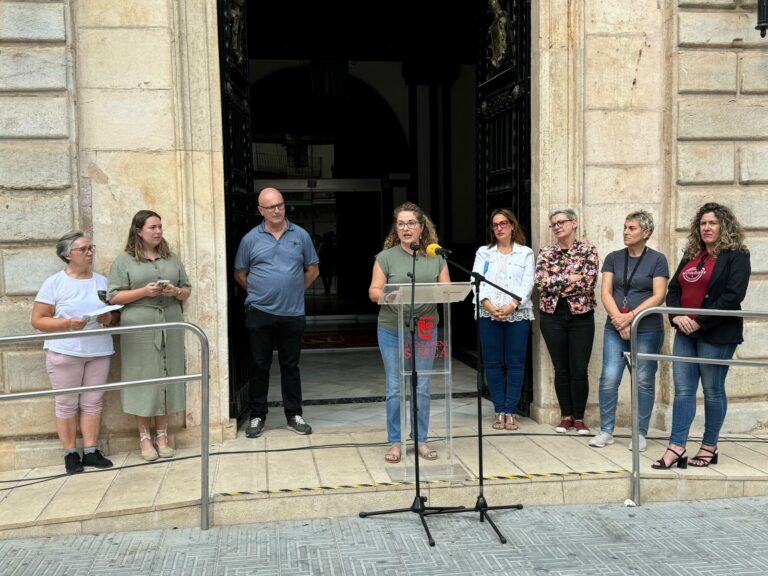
(72,463)
(299,425)
(97,460)
(255,427)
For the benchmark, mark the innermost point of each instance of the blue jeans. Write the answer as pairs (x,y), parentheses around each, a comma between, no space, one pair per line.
(504,347)
(389,345)
(686,377)
(613,368)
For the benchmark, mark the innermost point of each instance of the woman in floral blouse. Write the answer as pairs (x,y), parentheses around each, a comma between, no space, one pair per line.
(566,273)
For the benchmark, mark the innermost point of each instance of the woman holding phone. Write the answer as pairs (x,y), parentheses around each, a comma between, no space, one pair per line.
(151,283)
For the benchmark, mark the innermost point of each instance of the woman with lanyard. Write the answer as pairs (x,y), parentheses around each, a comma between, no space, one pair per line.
(633,279)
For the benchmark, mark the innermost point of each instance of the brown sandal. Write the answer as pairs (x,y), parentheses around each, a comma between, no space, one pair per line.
(393,455)
(499,422)
(426,453)
(511,423)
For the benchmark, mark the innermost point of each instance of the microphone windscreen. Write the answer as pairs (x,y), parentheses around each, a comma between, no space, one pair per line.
(432,249)
(415,246)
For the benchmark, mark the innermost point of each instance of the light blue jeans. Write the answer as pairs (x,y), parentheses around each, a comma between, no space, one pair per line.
(614,347)
(686,376)
(389,345)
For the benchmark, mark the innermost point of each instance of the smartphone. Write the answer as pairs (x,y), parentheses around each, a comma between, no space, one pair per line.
(162,282)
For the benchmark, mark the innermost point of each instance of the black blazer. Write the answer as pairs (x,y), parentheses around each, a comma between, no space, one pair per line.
(726,290)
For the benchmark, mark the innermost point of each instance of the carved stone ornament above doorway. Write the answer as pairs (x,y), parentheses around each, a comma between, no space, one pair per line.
(497,33)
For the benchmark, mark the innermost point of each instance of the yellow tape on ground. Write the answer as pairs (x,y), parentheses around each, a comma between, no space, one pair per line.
(433,482)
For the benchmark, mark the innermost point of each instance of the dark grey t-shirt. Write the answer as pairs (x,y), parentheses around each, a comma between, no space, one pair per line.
(653,265)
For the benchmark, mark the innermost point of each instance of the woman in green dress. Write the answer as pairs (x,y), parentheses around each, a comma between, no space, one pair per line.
(150,281)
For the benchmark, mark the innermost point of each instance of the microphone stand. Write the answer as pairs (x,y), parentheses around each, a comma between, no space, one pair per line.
(419,502)
(481,504)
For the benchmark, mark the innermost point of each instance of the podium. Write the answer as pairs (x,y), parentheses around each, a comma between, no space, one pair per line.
(432,355)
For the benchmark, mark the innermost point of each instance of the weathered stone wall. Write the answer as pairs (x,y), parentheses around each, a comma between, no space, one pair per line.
(719,149)
(107,107)
(38,192)
(660,106)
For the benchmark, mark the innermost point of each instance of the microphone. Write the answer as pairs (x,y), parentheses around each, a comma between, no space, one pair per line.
(437,250)
(415,246)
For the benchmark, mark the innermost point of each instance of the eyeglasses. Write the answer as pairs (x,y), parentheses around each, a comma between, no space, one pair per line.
(500,225)
(85,249)
(410,224)
(559,223)
(275,207)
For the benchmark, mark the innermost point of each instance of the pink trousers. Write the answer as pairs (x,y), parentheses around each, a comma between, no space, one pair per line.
(72,371)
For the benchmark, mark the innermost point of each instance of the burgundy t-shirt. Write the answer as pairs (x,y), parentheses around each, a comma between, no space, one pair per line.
(694,279)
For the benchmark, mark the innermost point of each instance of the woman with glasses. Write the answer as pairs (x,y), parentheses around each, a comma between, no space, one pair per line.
(566,273)
(65,302)
(505,321)
(634,278)
(412,231)
(713,273)
(151,283)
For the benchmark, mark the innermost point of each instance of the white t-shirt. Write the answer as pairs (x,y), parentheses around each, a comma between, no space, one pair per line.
(73,298)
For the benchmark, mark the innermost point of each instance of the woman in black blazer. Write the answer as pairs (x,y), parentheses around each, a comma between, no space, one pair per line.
(713,274)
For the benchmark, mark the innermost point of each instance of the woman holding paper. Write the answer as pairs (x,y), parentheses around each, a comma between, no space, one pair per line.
(150,281)
(411,231)
(66,301)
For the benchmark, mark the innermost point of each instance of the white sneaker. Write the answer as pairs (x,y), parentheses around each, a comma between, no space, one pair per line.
(601,440)
(642,443)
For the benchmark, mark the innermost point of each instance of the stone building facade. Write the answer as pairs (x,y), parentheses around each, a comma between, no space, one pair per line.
(111,105)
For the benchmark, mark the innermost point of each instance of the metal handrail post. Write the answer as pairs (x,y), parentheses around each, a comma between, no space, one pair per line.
(203,376)
(635,408)
(204,433)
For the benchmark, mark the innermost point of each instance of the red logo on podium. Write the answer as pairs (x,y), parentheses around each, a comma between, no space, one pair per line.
(424,327)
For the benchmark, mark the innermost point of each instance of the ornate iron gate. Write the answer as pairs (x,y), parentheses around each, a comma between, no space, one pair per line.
(503,125)
(241,213)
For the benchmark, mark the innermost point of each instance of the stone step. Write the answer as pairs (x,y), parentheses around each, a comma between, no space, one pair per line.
(283,476)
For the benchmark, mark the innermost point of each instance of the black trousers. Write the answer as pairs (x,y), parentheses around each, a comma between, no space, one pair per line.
(268,331)
(569,341)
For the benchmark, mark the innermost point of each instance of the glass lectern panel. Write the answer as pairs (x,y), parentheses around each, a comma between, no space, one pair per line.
(428,345)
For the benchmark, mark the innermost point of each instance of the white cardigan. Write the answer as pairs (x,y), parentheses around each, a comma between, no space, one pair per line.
(520,265)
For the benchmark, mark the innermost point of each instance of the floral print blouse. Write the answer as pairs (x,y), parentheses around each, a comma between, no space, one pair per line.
(554,265)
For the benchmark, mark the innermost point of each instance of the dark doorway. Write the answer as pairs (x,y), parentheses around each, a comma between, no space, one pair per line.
(319,97)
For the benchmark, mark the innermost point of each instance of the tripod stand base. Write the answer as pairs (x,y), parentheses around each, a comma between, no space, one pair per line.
(418,507)
(481,506)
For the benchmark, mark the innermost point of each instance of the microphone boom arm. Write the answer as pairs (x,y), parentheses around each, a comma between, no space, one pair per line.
(480,278)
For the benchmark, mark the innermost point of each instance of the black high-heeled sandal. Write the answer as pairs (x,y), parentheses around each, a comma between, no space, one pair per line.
(681,461)
(702,461)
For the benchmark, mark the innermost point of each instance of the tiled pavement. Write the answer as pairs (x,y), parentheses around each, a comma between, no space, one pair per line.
(701,538)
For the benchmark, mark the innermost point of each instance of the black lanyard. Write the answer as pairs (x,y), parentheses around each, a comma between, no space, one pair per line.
(627,286)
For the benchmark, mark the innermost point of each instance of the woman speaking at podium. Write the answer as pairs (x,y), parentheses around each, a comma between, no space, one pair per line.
(411,230)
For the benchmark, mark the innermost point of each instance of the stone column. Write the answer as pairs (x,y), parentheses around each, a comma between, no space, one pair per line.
(599,82)
(150,137)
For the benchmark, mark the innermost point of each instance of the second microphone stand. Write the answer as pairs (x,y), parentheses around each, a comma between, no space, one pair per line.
(481,504)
